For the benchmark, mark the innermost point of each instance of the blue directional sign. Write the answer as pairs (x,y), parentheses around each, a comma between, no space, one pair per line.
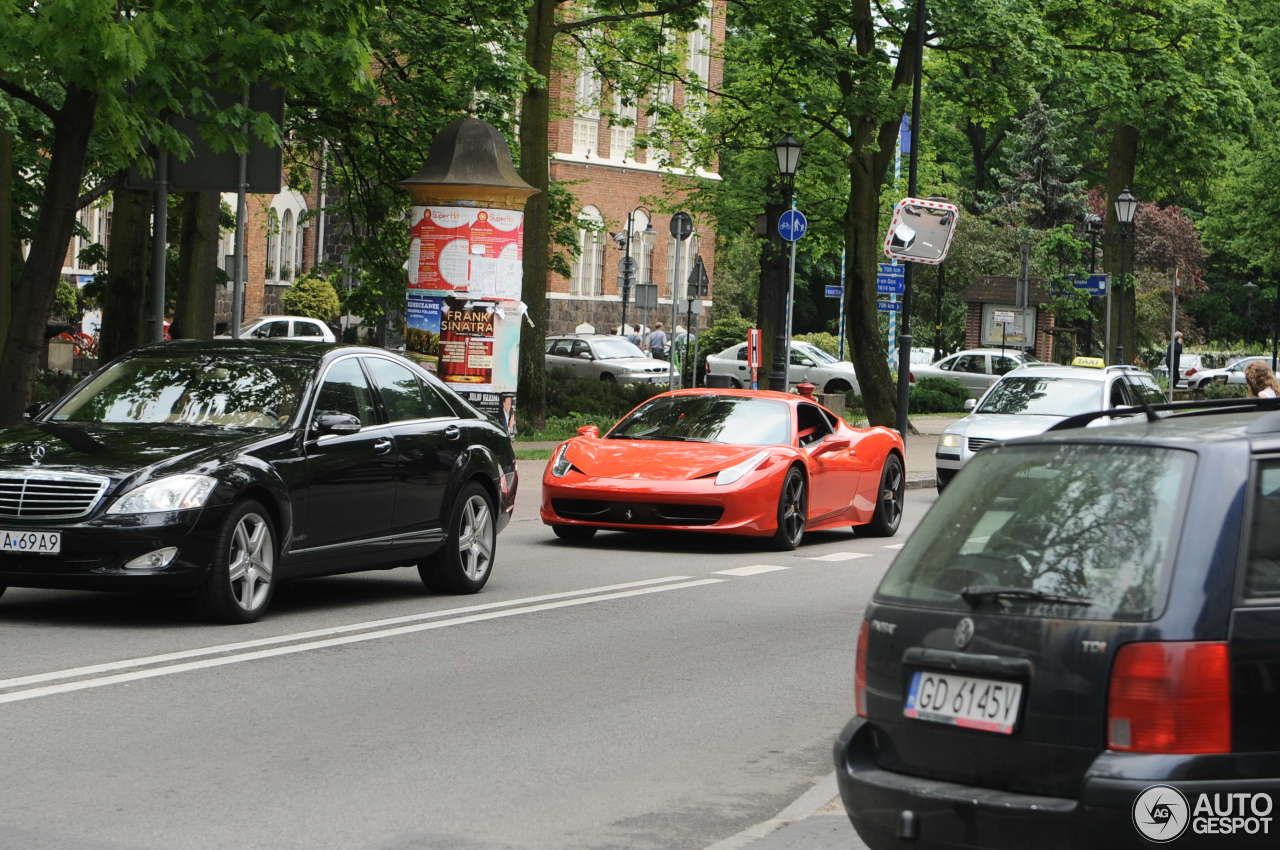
(889,306)
(892,269)
(792,225)
(1094,284)
(889,285)
(833,291)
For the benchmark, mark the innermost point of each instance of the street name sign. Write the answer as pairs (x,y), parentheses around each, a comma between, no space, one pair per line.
(833,290)
(889,306)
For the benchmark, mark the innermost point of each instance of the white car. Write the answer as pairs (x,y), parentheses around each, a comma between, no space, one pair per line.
(1031,399)
(286,327)
(609,358)
(808,363)
(1232,373)
(976,369)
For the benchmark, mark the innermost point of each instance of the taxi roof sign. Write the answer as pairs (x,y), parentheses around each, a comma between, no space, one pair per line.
(1090,362)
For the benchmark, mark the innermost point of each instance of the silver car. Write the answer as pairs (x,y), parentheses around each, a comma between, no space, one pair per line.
(609,358)
(1232,373)
(808,363)
(976,369)
(1031,399)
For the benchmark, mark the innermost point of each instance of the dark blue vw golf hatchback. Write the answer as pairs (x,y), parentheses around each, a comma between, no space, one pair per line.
(1079,646)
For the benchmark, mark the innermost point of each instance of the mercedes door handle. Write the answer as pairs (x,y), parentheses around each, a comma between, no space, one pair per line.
(381,447)
(453,432)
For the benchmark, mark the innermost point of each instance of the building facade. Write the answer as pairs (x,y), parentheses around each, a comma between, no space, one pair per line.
(594,150)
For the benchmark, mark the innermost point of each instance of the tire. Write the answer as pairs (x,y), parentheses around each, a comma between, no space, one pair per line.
(888,515)
(574,533)
(837,386)
(734,383)
(608,377)
(793,504)
(3,588)
(241,581)
(466,561)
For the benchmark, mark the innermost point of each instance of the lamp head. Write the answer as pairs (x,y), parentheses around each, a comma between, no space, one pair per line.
(787,150)
(1126,207)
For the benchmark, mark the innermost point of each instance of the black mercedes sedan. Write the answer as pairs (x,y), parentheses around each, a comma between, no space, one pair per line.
(223,468)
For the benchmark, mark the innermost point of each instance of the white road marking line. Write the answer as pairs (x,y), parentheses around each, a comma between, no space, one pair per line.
(125,664)
(754,570)
(173,669)
(894,546)
(841,556)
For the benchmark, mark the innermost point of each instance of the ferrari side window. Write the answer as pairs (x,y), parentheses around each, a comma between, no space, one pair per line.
(811,425)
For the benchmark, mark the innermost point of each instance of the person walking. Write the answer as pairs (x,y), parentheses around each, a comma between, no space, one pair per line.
(1261,380)
(658,342)
(1174,358)
(634,336)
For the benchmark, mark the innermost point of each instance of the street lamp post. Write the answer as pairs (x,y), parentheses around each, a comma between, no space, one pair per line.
(1250,290)
(1126,207)
(628,264)
(787,150)
(1093,227)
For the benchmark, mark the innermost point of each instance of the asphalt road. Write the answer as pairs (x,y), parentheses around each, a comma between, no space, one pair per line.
(640,691)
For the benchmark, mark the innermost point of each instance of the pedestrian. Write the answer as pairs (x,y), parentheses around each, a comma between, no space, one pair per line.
(1174,358)
(658,342)
(1261,380)
(634,336)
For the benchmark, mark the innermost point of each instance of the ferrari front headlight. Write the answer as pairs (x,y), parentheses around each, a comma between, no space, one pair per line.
(735,472)
(560,465)
(174,493)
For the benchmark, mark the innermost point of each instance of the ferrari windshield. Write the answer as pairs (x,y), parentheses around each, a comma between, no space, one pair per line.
(203,389)
(738,420)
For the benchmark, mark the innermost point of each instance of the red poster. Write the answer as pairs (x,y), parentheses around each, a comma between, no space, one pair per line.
(466,347)
(438,258)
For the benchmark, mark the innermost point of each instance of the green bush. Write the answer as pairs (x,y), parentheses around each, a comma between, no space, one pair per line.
(51,386)
(314,297)
(937,395)
(1220,390)
(564,427)
(569,394)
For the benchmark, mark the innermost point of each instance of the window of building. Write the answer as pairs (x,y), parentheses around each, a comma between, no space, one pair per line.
(589,267)
(586,121)
(684,251)
(622,133)
(287,238)
(643,258)
(297,249)
(699,64)
(273,245)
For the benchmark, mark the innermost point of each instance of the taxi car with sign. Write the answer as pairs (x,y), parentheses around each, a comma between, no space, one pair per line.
(1053,643)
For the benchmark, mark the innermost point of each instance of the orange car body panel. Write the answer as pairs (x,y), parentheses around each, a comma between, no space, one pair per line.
(614,480)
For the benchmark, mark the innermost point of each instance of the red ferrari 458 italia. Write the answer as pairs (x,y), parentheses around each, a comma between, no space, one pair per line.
(751,462)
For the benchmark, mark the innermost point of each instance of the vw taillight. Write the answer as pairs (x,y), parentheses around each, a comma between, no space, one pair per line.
(860,671)
(1170,697)
(1191,371)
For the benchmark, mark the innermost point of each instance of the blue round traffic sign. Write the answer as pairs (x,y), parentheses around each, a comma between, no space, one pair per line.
(792,225)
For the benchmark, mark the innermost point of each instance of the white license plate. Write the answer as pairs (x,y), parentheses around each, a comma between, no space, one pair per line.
(963,701)
(31,542)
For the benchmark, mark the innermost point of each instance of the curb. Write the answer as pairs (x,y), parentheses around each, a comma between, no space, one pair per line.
(808,803)
(928,482)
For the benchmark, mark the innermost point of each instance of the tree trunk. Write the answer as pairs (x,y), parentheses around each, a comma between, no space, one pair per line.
(33,296)
(6,233)
(862,319)
(1122,158)
(128,262)
(197,267)
(535,123)
(977,136)
(771,306)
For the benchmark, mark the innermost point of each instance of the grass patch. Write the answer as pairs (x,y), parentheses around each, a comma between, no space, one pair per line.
(533,454)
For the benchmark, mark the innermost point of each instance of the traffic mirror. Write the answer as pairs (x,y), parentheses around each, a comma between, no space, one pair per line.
(921,231)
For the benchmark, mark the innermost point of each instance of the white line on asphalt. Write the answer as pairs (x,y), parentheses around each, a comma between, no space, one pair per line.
(173,669)
(805,806)
(754,570)
(841,556)
(125,664)
(895,546)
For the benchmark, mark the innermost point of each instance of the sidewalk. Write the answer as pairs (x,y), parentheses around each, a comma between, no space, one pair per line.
(921,471)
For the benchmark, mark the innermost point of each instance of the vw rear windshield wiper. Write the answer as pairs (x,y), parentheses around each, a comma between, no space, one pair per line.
(977,592)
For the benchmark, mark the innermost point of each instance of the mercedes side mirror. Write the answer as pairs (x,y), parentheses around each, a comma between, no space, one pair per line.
(336,423)
(589,431)
(36,408)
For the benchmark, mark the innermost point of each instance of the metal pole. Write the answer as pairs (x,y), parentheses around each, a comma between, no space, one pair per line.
(791,293)
(671,344)
(904,338)
(688,338)
(159,248)
(626,278)
(1275,325)
(843,252)
(1124,284)
(1173,330)
(237,287)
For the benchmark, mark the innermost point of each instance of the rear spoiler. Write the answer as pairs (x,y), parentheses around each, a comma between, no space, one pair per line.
(1183,408)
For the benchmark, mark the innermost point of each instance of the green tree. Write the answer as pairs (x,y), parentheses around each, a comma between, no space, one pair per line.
(313,296)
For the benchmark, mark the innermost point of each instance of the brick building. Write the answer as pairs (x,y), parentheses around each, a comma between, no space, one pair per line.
(611,176)
(987,296)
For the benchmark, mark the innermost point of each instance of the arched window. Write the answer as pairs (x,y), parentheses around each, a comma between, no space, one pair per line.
(287,240)
(273,245)
(297,249)
(588,268)
(642,253)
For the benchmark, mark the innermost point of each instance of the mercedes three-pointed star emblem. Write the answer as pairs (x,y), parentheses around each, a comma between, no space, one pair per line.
(37,455)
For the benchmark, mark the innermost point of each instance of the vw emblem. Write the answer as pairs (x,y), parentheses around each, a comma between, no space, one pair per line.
(37,455)
(964,633)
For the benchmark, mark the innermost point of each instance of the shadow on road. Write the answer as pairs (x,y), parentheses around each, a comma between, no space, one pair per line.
(692,542)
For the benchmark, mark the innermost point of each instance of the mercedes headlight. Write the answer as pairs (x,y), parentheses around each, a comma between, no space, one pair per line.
(950,441)
(560,465)
(735,472)
(175,493)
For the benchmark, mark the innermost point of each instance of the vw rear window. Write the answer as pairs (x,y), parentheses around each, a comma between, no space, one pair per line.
(1262,576)
(1091,522)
